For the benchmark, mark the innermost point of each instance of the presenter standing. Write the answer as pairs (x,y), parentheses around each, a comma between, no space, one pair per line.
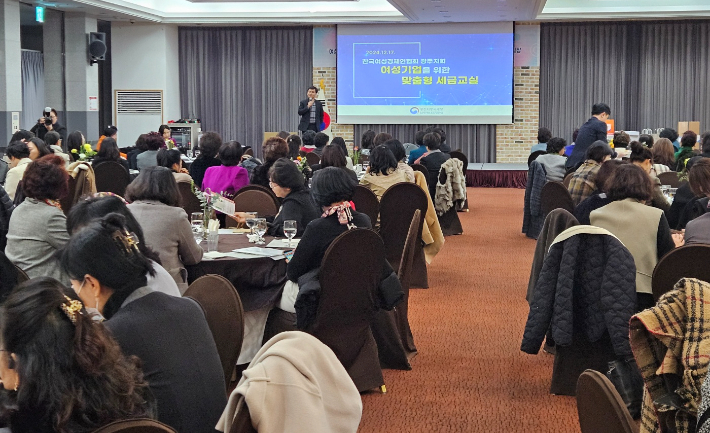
(311,112)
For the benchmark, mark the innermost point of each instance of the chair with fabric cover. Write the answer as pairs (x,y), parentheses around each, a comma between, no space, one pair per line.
(366,202)
(225,317)
(242,420)
(449,221)
(188,200)
(350,275)
(460,156)
(111,177)
(312,158)
(688,261)
(600,407)
(249,152)
(533,156)
(669,178)
(253,187)
(137,425)
(567,179)
(68,200)
(419,167)
(21,275)
(255,200)
(396,212)
(554,195)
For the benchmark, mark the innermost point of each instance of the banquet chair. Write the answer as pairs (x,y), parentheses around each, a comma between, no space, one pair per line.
(254,187)
(567,179)
(242,420)
(419,167)
(225,317)
(137,425)
(68,200)
(312,158)
(21,275)
(554,195)
(449,220)
(350,275)
(396,211)
(688,261)
(256,200)
(600,407)
(366,202)
(669,178)
(111,177)
(249,152)
(460,156)
(188,200)
(533,156)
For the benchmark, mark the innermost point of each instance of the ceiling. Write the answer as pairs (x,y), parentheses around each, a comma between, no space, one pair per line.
(225,12)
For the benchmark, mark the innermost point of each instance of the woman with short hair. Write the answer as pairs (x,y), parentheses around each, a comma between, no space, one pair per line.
(153,198)
(109,152)
(397,149)
(554,160)
(697,231)
(382,172)
(333,157)
(149,158)
(581,184)
(229,177)
(599,197)
(642,156)
(663,159)
(172,159)
(19,155)
(273,149)
(210,142)
(61,371)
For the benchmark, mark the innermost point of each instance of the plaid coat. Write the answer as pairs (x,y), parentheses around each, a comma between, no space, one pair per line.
(673,338)
(581,185)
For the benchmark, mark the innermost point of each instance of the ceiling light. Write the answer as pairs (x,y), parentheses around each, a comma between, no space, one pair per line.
(443,12)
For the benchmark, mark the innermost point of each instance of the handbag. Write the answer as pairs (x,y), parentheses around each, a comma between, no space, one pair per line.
(624,374)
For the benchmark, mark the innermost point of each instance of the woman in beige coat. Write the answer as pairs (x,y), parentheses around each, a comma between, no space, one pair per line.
(382,172)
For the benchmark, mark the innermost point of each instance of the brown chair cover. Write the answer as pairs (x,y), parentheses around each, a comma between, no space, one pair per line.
(188,200)
(419,167)
(68,201)
(249,152)
(533,156)
(554,195)
(600,407)
(567,179)
(460,156)
(396,212)
(225,317)
(689,261)
(138,425)
(255,200)
(242,419)
(366,202)
(253,187)
(312,158)
(449,222)
(21,275)
(669,178)
(111,177)
(350,274)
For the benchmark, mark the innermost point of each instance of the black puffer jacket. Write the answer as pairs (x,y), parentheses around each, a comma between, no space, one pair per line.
(587,286)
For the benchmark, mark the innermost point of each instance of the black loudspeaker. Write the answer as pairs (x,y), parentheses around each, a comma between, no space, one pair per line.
(97,47)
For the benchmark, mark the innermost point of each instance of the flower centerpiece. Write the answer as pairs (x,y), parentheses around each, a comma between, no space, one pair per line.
(303,166)
(355,155)
(85,152)
(207,199)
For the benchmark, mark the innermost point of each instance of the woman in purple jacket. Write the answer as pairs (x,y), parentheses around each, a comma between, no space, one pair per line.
(227,178)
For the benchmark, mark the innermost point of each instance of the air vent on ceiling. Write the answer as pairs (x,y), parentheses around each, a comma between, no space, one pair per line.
(139,102)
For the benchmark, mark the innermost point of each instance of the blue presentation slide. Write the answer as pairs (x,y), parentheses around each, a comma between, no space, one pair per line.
(432,74)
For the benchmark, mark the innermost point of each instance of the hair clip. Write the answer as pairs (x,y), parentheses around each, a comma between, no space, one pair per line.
(71,308)
(127,241)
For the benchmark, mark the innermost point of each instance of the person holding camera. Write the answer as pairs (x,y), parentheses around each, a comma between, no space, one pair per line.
(48,122)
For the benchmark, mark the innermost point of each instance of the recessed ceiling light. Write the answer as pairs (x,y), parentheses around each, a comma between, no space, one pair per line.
(443,12)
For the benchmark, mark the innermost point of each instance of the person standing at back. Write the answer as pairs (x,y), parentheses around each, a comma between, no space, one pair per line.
(594,129)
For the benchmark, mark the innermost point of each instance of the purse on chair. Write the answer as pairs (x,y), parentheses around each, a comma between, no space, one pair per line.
(626,377)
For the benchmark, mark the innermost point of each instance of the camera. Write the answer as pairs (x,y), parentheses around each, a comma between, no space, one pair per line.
(46,121)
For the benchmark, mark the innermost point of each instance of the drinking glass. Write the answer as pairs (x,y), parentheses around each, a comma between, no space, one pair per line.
(290,230)
(212,240)
(251,220)
(198,226)
(261,230)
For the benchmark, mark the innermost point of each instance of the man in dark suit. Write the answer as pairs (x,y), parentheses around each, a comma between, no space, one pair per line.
(311,112)
(594,129)
(433,159)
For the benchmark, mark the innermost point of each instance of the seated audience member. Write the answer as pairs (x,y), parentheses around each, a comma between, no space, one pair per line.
(169,334)
(697,231)
(133,154)
(340,142)
(38,227)
(333,157)
(543,136)
(288,183)
(153,198)
(684,197)
(22,135)
(308,139)
(554,161)
(95,207)
(109,152)
(170,158)
(705,144)
(687,142)
(210,142)
(75,141)
(641,156)
(68,374)
(294,145)
(19,155)
(38,148)
(581,184)
(320,141)
(671,135)
(382,172)
(273,149)
(6,208)
(642,229)
(366,141)
(621,140)
(663,159)
(109,132)
(646,140)
(397,149)
(421,150)
(443,145)
(332,189)
(165,132)
(229,177)
(432,160)
(599,197)
(149,158)
(570,148)
(283,134)
(380,139)
(53,140)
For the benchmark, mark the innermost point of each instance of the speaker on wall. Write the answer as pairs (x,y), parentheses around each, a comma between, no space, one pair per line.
(97,47)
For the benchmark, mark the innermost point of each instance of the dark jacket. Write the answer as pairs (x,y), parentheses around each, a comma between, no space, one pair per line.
(585,207)
(587,286)
(6,208)
(133,158)
(433,162)
(683,196)
(297,206)
(180,360)
(199,166)
(305,114)
(260,175)
(61,130)
(592,130)
(533,218)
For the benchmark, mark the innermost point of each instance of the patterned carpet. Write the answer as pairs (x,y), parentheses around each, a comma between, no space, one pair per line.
(470,375)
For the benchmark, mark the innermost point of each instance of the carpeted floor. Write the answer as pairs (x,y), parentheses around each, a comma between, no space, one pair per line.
(470,375)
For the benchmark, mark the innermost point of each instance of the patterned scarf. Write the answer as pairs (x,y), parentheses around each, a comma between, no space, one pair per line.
(345,217)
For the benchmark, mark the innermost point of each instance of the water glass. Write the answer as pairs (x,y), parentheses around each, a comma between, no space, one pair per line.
(251,220)
(261,227)
(290,230)
(212,240)
(198,226)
